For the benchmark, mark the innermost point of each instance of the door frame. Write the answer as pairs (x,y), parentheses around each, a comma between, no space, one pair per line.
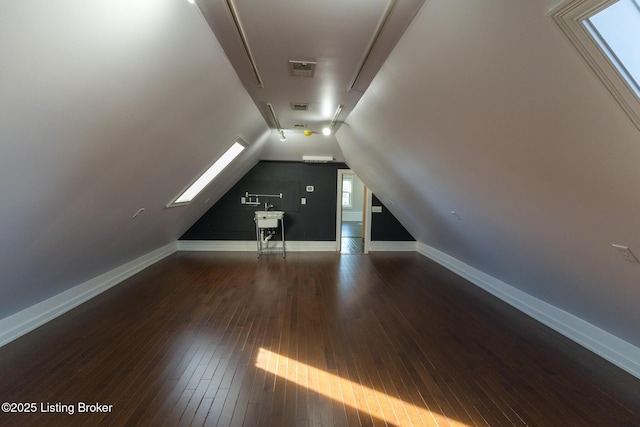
(366,212)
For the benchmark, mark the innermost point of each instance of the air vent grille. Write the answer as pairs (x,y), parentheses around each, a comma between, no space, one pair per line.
(302,68)
(317,159)
(299,126)
(298,106)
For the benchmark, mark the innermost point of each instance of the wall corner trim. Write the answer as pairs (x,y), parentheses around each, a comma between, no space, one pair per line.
(30,318)
(617,351)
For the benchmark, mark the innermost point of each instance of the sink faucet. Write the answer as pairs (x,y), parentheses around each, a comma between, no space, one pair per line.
(267,206)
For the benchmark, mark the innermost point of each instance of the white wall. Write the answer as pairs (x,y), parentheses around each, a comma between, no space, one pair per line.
(106,108)
(485,109)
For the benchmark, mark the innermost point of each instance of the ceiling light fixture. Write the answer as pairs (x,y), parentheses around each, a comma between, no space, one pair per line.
(276,122)
(326,131)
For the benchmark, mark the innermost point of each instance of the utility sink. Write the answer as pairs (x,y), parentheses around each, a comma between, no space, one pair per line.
(268,219)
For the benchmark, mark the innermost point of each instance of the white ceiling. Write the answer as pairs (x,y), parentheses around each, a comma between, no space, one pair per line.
(348,39)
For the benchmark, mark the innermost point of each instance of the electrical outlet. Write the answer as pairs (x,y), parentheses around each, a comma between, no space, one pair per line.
(626,253)
(243,200)
(303,201)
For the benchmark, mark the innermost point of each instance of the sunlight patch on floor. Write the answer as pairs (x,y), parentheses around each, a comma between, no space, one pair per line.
(377,404)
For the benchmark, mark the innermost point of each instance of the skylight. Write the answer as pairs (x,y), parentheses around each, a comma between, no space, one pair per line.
(617,31)
(607,35)
(194,189)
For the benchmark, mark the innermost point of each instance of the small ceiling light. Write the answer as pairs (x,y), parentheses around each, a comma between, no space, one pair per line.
(282,137)
(191,1)
(326,131)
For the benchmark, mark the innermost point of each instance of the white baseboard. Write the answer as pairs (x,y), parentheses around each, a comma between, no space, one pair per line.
(604,344)
(381,246)
(250,245)
(292,246)
(24,321)
(217,245)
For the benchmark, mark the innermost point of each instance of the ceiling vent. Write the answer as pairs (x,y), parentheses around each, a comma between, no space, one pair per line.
(299,126)
(302,68)
(297,106)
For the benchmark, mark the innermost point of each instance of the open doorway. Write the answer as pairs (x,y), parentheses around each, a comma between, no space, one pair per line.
(351,221)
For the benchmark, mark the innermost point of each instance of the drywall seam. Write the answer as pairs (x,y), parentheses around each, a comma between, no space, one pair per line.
(602,343)
(24,321)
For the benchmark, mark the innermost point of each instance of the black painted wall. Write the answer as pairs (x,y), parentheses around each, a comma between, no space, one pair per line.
(228,219)
(316,221)
(385,227)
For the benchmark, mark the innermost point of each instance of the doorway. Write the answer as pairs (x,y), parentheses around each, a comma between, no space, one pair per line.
(351,221)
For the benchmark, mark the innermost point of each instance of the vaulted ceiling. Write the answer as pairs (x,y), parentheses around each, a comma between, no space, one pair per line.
(338,45)
(482,108)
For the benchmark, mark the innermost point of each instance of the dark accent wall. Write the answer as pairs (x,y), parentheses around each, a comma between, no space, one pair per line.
(228,219)
(385,227)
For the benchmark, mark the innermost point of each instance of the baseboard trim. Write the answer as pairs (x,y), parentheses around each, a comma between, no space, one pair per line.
(602,343)
(250,245)
(380,246)
(24,321)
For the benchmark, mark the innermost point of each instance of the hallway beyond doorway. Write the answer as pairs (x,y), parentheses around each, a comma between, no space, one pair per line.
(351,240)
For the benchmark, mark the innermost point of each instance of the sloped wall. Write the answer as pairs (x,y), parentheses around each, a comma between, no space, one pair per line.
(106,108)
(485,109)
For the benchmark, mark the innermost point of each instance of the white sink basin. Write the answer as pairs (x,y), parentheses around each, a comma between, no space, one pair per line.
(268,219)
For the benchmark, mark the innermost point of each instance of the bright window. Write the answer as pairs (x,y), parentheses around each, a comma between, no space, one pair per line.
(617,31)
(199,184)
(347,190)
(607,35)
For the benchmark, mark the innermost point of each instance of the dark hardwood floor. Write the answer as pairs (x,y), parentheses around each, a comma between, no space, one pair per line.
(316,339)
(351,238)
(351,245)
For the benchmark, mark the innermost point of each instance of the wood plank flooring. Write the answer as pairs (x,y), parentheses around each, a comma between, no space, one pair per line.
(351,245)
(316,339)
(351,238)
